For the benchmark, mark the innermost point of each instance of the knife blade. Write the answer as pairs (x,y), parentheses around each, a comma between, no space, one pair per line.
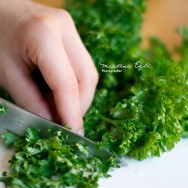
(18,120)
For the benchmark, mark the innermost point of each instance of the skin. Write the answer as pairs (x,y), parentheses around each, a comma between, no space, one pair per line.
(32,35)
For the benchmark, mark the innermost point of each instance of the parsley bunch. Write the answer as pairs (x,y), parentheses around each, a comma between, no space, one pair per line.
(142,110)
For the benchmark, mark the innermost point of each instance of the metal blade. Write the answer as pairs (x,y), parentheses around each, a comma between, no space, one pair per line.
(18,121)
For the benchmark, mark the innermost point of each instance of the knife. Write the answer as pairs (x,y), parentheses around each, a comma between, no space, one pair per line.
(18,121)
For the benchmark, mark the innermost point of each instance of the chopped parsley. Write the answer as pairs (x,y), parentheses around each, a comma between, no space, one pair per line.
(50,162)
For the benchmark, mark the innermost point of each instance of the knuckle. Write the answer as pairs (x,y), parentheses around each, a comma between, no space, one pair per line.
(66,15)
(35,43)
(66,18)
(42,23)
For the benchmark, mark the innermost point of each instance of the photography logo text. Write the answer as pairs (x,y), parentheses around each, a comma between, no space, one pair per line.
(120,67)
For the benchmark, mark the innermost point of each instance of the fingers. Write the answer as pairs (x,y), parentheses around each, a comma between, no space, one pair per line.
(82,64)
(24,91)
(58,73)
(64,63)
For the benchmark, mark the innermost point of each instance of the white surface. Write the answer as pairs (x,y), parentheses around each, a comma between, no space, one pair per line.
(168,171)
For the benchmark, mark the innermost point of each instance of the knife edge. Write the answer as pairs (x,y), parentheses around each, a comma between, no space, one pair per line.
(18,121)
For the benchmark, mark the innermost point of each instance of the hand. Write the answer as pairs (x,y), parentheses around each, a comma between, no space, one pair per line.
(32,35)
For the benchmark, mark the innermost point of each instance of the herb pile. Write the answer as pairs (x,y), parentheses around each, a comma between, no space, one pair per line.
(50,162)
(140,107)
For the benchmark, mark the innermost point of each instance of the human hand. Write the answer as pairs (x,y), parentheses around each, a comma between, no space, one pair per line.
(32,35)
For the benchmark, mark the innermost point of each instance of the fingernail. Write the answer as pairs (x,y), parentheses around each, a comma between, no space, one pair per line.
(81,132)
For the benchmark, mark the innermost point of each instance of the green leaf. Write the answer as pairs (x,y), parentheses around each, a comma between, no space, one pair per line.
(32,134)
(9,138)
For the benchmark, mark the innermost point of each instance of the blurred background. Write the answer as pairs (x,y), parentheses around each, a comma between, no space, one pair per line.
(161,19)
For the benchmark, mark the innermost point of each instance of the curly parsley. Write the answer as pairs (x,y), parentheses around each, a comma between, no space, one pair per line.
(141,111)
(50,162)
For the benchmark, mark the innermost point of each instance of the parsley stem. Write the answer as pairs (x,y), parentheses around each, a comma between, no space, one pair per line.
(113,122)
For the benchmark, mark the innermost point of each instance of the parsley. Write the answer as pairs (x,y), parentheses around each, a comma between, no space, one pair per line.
(2,109)
(52,163)
(9,138)
(142,110)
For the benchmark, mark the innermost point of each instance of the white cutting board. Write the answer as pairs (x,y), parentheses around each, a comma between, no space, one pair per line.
(168,171)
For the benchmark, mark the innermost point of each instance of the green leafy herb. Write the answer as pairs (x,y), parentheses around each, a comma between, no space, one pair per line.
(51,162)
(9,138)
(2,109)
(141,110)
